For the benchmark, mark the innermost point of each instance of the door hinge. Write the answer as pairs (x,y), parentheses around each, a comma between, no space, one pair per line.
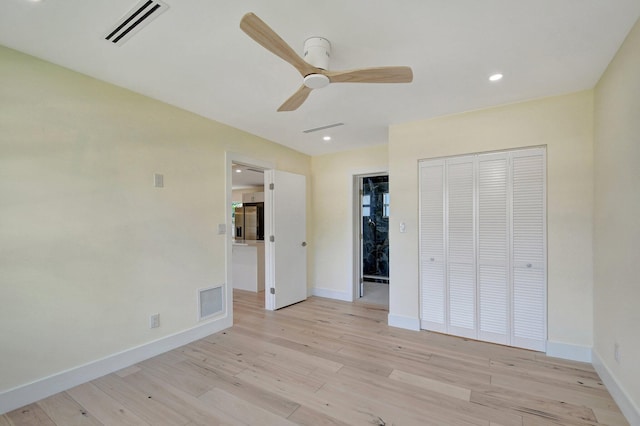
(272,238)
(272,290)
(271,186)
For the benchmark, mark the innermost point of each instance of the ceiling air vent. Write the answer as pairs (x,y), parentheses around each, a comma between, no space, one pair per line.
(137,18)
(317,129)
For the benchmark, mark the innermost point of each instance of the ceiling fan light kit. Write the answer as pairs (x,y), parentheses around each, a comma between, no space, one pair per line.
(314,65)
(316,81)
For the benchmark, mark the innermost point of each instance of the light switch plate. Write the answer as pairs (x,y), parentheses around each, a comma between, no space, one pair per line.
(222,228)
(158,180)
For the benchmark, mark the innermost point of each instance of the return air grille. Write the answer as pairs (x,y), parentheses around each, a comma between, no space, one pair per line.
(137,18)
(210,302)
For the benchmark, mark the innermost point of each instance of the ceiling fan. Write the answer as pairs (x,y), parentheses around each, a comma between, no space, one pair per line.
(314,66)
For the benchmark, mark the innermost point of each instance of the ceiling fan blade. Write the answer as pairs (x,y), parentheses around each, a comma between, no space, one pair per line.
(372,75)
(255,28)
(296,99)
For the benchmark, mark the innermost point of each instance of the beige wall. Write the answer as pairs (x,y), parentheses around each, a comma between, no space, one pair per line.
(564,124)
(617,218)
(332,200)
(88,247)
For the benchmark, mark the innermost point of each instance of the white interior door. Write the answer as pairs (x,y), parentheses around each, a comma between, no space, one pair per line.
(285,239)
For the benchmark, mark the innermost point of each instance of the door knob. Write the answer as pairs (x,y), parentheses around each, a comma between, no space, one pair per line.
(304,244)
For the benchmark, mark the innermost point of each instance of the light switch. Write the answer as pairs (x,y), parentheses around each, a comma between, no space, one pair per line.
(158,180)
(222,228)
(403,227)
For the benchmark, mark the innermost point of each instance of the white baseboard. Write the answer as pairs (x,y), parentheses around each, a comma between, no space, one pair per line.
(332,294)
(630,410)
(569,351)
(42,388)
(400,321)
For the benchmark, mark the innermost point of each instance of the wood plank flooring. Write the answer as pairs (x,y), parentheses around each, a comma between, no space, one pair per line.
(325,362)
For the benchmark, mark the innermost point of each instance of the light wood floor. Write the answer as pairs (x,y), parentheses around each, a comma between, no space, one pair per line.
(325,362)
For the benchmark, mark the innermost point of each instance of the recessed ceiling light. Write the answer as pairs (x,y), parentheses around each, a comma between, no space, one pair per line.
(496,77)
(326,138)
(238,170)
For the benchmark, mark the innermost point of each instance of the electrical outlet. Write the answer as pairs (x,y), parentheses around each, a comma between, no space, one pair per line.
(154,321)
(616,352)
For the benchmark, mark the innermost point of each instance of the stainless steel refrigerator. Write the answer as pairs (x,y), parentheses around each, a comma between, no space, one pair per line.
(249,222)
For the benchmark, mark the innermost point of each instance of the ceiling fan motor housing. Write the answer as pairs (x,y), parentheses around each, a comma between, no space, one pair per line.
(317,51)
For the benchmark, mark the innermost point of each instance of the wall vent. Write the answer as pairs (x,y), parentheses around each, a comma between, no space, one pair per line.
(210,302)
(317,129)
(136,19)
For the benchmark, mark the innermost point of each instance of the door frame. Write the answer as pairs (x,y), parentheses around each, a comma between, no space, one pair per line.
(357,226)
(230,158)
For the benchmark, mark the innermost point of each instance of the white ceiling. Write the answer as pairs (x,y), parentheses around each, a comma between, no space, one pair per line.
(195,57)
(246,177)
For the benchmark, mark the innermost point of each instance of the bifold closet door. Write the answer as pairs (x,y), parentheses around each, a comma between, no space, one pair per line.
(529,249)
(460,244)
(483,247)
(493,248)
(432,254)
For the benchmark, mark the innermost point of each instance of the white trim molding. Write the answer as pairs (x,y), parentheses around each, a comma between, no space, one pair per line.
(400,321)
(630,410)
(332,294)
(569,351)
(35,391)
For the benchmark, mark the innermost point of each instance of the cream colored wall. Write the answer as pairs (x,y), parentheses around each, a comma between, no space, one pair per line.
(617,217)
(88,247)
(565,125)
(332,200)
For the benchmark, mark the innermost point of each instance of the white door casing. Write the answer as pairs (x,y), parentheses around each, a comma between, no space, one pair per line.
(285,239)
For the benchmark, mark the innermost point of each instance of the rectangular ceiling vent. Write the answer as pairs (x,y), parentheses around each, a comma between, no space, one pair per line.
(137,18)
(317,129)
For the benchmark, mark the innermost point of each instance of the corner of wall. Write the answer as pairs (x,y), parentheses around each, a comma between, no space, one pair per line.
(332,294)
(630,410)
(399,321)
(569,351)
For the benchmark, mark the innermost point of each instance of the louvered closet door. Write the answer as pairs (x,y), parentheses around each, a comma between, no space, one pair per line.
(529,249)
(493,248)
(461,256)
(432,261)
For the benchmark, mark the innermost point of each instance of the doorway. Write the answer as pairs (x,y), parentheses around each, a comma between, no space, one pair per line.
(284,198)
(373,218)
(247,231)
